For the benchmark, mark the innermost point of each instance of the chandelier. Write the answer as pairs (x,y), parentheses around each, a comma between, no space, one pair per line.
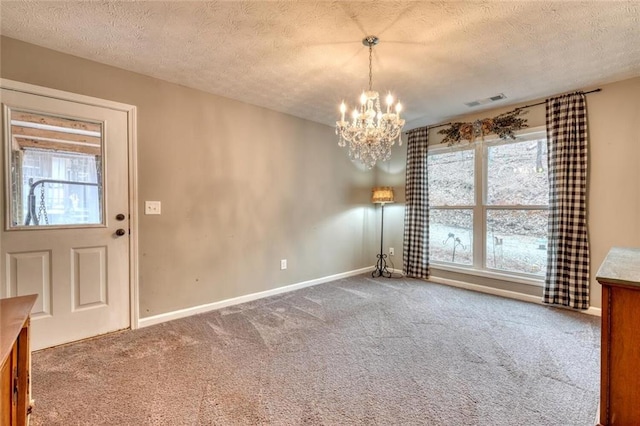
(371,133)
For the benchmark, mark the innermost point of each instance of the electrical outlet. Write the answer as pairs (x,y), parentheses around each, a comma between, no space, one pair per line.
(283,264)
(391,251)
(152,207)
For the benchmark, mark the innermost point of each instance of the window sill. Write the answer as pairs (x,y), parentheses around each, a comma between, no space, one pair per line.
(537,282)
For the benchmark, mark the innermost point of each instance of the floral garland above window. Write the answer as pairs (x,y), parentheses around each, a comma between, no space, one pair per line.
(503,125)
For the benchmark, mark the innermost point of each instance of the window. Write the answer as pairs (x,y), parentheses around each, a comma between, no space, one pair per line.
(488,205)
(55,169)
(452,204)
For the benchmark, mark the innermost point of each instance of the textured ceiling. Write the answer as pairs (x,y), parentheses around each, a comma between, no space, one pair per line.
(304,57)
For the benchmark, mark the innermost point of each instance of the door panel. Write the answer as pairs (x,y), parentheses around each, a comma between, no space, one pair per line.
(89,277)
(65,180)
(30,273)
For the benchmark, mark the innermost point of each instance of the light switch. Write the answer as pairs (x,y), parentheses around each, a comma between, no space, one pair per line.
(152,207)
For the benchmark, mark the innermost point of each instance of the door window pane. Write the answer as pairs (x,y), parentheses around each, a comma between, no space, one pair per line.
(56,171)
(451,181)
(517,240)
(517,174)
(451,236)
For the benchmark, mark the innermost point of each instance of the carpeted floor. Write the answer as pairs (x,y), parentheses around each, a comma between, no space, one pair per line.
(356,351)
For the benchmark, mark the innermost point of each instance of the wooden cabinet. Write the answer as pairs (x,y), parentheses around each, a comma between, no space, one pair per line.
(15,358)
(619,276)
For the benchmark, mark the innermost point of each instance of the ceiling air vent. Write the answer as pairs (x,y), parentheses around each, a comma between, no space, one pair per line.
(485,101)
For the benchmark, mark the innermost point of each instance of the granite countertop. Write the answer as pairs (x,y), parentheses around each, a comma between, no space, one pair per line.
(621,266)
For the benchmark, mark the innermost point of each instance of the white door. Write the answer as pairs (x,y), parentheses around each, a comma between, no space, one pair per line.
(65,230)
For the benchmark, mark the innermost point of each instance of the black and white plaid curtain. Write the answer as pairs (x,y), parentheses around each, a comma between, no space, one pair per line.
(567,281)
(416,216)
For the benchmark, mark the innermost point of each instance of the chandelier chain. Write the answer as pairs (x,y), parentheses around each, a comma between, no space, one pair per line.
(370,67)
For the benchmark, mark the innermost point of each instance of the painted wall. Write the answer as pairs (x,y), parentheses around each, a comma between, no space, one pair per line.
(614,179)
(241,186)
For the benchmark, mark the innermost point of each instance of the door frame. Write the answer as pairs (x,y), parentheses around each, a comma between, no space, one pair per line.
(132,157)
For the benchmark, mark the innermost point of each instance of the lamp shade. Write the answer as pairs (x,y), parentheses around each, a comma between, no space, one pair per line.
(382,195)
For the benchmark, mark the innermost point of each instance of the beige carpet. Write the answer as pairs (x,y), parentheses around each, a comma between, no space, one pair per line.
(356,351)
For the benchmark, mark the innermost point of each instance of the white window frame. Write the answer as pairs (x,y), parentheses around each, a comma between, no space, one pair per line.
(479,264)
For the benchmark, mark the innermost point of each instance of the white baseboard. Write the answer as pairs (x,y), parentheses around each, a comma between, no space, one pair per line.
(504,293)
(484,289)
(594,311)
(181,313)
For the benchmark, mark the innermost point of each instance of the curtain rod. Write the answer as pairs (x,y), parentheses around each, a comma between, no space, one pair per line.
(522,107)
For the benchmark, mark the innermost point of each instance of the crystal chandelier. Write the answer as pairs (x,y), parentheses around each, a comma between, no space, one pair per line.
(371,133)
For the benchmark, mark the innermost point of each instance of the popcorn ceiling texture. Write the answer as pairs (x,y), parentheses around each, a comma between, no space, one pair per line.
(303,58)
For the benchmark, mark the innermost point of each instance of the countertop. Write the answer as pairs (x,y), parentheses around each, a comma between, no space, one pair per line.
(621,266)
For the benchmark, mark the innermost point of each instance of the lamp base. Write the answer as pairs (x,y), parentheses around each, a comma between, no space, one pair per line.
(381,267)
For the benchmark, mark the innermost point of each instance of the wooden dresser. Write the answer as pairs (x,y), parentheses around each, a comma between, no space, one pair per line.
(15,358)
(619,276)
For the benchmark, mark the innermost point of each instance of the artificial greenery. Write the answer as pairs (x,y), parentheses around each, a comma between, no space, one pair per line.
(503,125)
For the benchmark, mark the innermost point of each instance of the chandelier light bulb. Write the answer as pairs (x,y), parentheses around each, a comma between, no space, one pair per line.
(343,109)
(355,114)
(389,99)
(363,98)
(398,108)
(389,102)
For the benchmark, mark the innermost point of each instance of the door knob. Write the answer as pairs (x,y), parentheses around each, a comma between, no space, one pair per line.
(120,232)
(119,216)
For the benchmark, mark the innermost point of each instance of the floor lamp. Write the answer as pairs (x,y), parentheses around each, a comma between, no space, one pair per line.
(381,195)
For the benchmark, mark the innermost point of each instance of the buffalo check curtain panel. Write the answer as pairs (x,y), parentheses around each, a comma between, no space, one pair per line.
(567,280)
(416,214)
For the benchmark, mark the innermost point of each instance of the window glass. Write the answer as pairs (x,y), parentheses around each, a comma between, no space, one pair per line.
(516,240)
(517,173)
(56,171)
(451,181)
(451,236)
